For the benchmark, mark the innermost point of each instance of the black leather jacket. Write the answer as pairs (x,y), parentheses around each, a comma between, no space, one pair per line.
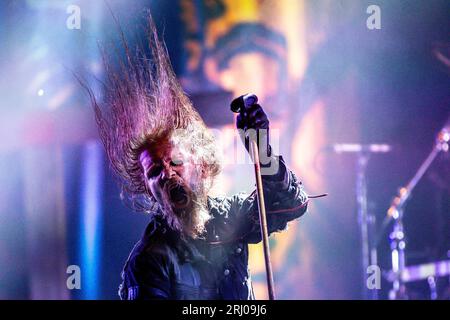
(164,265)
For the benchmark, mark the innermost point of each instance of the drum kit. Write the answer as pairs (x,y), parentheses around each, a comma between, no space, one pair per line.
(400,274)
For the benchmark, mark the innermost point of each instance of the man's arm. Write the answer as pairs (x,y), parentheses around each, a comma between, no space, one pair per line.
(285,198)
(285,201)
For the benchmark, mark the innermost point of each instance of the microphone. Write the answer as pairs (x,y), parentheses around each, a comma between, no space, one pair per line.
(241,103)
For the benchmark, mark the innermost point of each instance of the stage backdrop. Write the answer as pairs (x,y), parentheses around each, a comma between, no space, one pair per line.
(322,76)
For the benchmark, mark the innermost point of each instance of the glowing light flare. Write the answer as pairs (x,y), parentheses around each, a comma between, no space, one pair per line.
(61,97)
(395,260)
(250,72)
(237,11)
(289,18)
(311,136)
(38,81)
(91,219)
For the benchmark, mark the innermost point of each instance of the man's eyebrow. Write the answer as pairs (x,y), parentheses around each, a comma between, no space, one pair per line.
(177,155)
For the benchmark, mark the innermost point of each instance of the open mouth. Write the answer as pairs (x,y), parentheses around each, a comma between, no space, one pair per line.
(177,195)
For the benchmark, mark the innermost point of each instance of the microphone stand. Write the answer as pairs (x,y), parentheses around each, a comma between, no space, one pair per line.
(263,219)
(366,220)
(239,105)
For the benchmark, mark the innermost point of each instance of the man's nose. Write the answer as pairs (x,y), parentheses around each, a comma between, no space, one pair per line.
(167,172)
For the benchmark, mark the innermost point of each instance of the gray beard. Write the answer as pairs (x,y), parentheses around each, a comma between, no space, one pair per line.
(184,208)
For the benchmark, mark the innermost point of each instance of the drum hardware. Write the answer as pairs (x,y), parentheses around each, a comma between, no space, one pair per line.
(396,211)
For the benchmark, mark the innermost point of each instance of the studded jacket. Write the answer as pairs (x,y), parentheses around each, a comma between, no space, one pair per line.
(164,265)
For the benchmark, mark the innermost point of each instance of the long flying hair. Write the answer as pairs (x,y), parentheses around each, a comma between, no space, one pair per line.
(144,102)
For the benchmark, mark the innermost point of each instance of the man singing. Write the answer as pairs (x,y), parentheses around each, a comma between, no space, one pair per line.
(195,246)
